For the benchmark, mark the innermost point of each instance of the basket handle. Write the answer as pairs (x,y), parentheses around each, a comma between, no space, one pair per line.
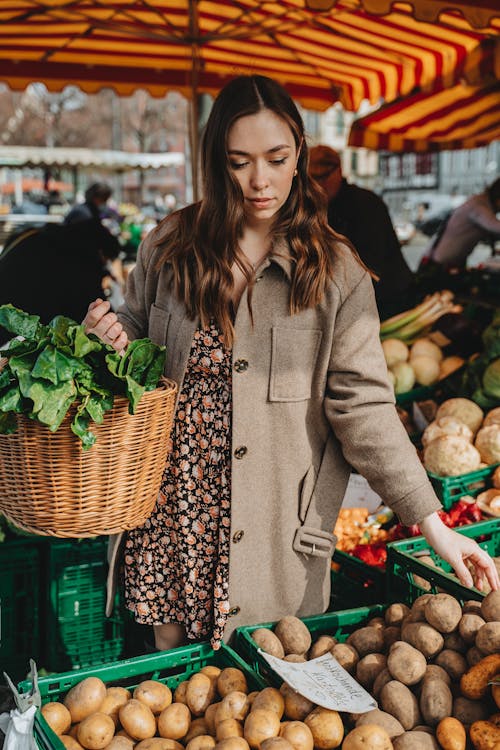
(3,362)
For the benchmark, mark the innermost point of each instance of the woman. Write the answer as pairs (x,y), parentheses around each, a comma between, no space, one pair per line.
(272,334)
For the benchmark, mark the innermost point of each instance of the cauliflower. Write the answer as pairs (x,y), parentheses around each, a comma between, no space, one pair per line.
(464,410)
(488,443)
(446,426)
(451,455)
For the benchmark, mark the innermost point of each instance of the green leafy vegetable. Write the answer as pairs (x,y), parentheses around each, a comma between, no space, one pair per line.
(55,367)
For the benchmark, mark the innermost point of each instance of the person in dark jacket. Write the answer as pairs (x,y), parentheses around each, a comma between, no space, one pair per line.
(96,199)
(362,217)
(56,270)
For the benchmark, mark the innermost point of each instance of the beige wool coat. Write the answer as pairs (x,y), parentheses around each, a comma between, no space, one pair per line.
(310,400)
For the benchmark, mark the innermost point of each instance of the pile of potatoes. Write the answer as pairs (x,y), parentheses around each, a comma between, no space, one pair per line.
(213,709)
(429,667)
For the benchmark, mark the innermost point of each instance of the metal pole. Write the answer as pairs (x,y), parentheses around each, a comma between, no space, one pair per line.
(194,108)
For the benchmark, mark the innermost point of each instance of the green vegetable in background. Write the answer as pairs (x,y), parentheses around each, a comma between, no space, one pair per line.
(57,366)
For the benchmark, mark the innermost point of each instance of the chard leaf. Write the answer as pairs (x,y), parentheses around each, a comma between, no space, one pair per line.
(134,393)
(19,322)
(56,366)
(11,400)
(4,378)
(51,402)
(8,423)
(80,428)
(82,344)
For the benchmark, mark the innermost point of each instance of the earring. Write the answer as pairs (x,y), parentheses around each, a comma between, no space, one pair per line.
(295,173)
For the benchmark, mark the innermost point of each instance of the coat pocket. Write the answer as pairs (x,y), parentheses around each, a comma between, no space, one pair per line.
(158,325)
(293,358)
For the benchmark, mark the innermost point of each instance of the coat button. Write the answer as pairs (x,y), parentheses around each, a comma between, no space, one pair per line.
(241,365)
(240,452)
(238,536)
(233,611)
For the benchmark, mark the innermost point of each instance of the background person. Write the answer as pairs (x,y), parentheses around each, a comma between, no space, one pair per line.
(473,222)
(97,196)
(361,216)
(272,333)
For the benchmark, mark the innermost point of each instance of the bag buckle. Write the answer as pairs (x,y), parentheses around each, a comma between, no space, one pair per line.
(314,542)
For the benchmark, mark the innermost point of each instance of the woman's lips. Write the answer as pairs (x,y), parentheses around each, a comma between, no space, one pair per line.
(261,202)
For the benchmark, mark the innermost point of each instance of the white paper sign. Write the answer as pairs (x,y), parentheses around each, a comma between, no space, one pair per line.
(324,682)
(359,494)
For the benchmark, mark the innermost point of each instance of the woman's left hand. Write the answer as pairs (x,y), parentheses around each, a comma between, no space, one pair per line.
(458,550)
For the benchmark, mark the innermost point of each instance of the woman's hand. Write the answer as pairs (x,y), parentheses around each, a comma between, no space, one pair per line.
(104,324)
(458,550)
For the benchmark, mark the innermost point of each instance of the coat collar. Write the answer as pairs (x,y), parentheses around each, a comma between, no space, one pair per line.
(280,255)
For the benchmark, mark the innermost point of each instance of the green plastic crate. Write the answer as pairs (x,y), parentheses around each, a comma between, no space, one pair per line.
(337,624)
(451,489)
(19,606)
(403,566)
(355,583)
(76,631)
(171,667)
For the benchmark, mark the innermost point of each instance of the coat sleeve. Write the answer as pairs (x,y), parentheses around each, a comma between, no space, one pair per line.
(134,313)
(360,407)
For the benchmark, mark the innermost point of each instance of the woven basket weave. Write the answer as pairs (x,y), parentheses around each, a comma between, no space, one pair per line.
(50,486)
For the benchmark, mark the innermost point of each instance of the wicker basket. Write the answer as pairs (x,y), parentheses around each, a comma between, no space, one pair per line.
(50,486)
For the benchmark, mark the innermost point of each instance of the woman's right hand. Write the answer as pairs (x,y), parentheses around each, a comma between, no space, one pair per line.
(104,324)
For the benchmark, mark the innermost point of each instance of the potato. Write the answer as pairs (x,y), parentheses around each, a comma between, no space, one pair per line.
(395,614)
(455,642)
(297,707)
(268,642)
(293,634)
(212,671)
(174,721)
(326,728)
(259,726)
(490,607)
(443,612)
(436,701)
(276,743)
(368,669)
(153,694)
(391,635)
(467,711)
(235,705)
(159,743)
(398,700)
(323,645)
(495,694)
(209,717)
(137,719)
(451,734)
(488,638)
(453,662)
(382,679)
(200,693)
(474,683)
(415,740)
(85,698)
(228,728)
(297,734)
(73,732)
(96,731)
(423,637)
(270,698)
(180,692)
(473,656)
(57,717)
(231,679)
(484,735)
(70,743)
(434,671)
(468,626)
(233,743)
(367,736)
(346,655)
(417,612)
(406,663)
(116,697)
(471,606)
(295,658)
(197,728)
(367,640)
(381,719)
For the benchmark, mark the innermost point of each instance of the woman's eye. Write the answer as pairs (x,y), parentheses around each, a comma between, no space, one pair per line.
(238,165)
(279,161)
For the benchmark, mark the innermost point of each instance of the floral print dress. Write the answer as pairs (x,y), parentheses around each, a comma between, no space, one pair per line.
(177,565)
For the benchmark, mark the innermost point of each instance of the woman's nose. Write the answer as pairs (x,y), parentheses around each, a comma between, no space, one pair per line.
(259,177)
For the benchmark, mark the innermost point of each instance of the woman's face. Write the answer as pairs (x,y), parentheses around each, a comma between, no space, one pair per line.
(263,158)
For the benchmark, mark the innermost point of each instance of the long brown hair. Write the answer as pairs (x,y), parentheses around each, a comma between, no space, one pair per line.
(203,244)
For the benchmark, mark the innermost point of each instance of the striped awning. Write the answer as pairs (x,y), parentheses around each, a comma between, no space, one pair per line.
(459,117)
(342,54)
